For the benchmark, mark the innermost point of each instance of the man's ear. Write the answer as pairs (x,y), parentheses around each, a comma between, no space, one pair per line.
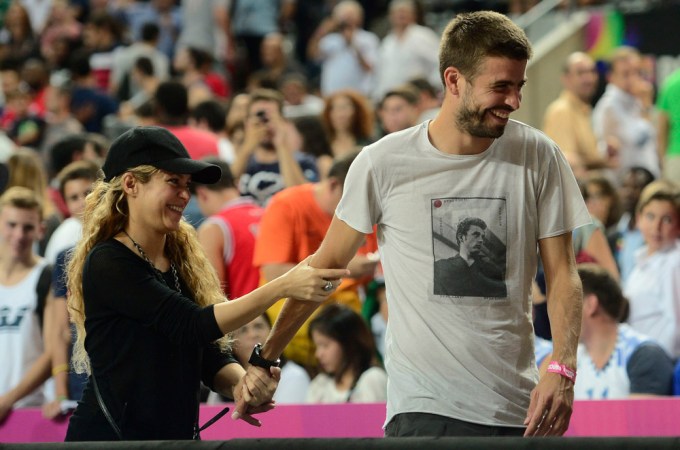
(590,304)
(200,192)
(452,80)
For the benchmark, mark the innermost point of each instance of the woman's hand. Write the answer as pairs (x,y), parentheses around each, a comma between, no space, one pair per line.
(253,395)
(304,282)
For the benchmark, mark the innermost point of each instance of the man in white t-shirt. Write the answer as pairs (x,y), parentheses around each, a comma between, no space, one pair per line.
(464,365)
(24,284)
(407,50)
(347,52)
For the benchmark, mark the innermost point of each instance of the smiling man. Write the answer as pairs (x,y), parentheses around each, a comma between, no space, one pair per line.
(464,365)
(24,282)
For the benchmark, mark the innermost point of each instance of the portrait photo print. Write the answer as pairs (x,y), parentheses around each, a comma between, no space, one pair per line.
(469,241)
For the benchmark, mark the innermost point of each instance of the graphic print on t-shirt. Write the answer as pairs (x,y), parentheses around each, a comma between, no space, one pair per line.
(469,239)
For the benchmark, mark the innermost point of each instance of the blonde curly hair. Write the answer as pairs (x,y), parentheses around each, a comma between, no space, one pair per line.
(105,216)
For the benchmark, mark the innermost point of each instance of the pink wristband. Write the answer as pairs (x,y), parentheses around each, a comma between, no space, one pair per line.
(566,372)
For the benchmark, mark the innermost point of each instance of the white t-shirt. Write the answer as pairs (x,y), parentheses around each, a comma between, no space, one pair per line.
(653,290)
(293,385)
(370,388)
(411,56)
(466,357)
(612,381)
(66,236)
(341,68)
(619,114)
(21,340)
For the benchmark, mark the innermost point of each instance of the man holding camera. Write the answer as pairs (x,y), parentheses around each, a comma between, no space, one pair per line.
(347,52)
(265,163)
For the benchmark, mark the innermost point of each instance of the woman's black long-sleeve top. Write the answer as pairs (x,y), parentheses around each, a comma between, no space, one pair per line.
(149,348)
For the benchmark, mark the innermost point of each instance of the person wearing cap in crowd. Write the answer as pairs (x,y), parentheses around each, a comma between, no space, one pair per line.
(150,315)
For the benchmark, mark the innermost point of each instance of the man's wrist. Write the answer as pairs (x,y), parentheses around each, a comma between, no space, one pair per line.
(257,360)
(563,370)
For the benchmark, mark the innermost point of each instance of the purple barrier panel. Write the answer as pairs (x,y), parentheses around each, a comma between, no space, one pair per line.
(294,421)
(634,417)
(643,417)
(28,425)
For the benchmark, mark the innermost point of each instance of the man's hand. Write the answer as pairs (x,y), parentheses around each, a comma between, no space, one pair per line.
(254,392)
(550,407)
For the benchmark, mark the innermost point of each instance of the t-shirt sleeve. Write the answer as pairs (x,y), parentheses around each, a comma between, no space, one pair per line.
(561,207)
(213,361)
(59,288)
(371,387)
(116,282)
(276,243)
(650,370)
(360,206)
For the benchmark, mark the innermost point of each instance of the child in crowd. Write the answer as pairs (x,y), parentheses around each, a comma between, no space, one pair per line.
(653,287)
(347,359)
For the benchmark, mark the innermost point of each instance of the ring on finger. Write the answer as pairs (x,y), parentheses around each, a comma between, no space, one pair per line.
(328,286)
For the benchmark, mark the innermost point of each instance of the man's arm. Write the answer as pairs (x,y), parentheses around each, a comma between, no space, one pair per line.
(60,340)
(291,173)
(551,401)
(36,374)
(337,249)
(211,237)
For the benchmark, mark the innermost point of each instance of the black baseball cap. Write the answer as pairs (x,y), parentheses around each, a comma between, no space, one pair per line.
(157,147)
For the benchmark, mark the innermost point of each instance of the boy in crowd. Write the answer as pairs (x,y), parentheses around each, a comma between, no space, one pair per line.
(614,361)
(653,287)
(24,284)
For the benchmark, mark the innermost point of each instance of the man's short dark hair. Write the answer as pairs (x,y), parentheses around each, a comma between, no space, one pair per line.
(422,85)
(465,224)
(77,170)
(406,92)
(471,37)
(145,66)
(596,280)
(212,112)
(266,95)
(63,151)
(172,98)
(341,166)
(150,32)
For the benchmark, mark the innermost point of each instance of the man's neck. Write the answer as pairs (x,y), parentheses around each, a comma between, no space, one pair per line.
(600,340)
(224,199)
(323,197)
(451,139)
(13,270)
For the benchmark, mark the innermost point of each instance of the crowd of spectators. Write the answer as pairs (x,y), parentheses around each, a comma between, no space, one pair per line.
(282,94)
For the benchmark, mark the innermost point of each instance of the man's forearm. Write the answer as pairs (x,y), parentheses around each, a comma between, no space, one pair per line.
(36,375)
(291,173)
(565,302)
(337,249)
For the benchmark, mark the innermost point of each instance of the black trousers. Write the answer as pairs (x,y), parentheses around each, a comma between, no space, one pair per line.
(425,424)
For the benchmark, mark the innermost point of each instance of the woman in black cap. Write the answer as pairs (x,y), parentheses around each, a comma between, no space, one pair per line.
(147,305)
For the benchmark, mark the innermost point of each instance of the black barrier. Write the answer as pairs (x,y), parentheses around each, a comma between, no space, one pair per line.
(499,443)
